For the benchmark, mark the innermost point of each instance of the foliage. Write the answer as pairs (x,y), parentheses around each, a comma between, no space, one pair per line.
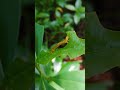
(103,47)
(102,50)
(9,33)
(73,44)
(58,16)
(15,66)
(49,79)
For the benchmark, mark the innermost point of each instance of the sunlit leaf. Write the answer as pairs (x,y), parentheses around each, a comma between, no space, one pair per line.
(70,7)
(74,44)
(77,18)
(78,3)
(65,79)
(55,86)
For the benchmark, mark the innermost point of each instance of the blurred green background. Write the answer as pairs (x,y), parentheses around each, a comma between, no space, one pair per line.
(16,44)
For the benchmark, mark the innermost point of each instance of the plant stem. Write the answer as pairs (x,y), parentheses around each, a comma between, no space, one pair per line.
(40,71)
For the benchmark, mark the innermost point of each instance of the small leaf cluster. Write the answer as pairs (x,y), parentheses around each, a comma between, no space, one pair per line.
(58,17)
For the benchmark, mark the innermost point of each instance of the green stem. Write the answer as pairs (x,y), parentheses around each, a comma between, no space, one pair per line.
(40,71)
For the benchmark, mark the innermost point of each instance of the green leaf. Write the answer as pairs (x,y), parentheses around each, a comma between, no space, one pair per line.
(77,18)
(65,79)
(19,76)
(67,18)
(42,84)
(81,10)
(102,47)
(38,82)
(74,44)
(57,13)
(9,29)
(61,3)
(78,3)
(39,32)
(70,66)
(70,7)
(42,15)
(56,86)
(48,69)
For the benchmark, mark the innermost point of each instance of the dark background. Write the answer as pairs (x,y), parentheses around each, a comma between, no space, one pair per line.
(108,12)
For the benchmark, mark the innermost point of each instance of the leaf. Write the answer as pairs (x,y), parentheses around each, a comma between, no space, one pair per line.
(78,3)
(70,7)
(80,13)
(65,79)
(81,10)
(42,84)
(9,29)
(54,85)
(42,15)
(48,69)
(39,83)
(61,3)
(70,66)
(57,13)
(39,32)
(67,18)
(77,18)
(102,47)
(74,44)
(19,76)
